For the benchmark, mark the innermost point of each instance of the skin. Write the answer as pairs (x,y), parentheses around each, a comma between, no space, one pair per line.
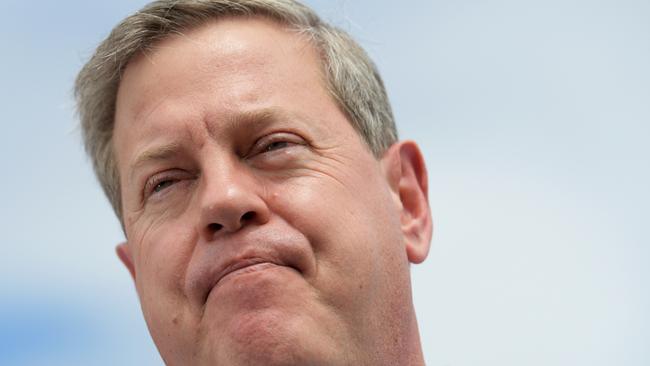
(233,156)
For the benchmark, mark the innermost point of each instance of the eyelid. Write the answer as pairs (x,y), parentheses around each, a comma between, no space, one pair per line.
(153,181)
(267,140)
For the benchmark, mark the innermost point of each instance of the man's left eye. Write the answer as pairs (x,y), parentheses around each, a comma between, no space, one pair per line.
(277,141)
(276,145)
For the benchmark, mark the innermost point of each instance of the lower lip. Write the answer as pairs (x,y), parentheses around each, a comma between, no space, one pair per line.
(253,285)
(255,268)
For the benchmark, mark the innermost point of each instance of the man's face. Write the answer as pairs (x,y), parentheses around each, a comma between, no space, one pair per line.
(260,228)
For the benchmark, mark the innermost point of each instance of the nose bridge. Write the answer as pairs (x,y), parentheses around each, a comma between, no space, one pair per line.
(231,198)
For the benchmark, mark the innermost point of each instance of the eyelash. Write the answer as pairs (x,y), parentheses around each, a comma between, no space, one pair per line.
(267,143)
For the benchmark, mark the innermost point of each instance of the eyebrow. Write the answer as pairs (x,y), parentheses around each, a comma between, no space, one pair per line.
(261,115)
(157,153)
(255,119)
(252,119)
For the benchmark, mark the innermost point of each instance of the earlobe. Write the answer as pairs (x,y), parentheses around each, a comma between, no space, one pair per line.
(407,176)
(124,253)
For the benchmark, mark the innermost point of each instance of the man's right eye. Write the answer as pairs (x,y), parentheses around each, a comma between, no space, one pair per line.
(158,184)
(162,185)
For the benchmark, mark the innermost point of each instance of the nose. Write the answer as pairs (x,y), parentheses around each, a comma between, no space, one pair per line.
(231,200)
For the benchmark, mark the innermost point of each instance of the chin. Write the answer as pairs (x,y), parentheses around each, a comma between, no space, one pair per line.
(269,318)
(274,338)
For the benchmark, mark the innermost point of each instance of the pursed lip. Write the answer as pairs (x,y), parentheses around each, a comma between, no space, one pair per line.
(239,265)
(211,264)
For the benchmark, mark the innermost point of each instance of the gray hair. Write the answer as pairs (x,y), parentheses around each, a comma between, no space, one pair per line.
(352,78)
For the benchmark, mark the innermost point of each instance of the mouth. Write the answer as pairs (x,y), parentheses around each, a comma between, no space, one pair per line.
(253,261)
(244,267)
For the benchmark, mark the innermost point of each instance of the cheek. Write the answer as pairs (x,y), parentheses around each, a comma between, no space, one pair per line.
(164,251)
(352,231)
(164,244)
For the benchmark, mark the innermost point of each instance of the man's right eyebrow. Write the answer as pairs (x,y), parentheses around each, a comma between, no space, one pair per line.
(154,154)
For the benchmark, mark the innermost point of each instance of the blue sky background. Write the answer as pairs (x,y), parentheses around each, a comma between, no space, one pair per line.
(534,117)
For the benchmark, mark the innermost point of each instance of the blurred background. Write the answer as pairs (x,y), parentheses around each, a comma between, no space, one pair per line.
(534,118)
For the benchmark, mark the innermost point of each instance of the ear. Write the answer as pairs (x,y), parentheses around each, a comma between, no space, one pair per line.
(124,253)
(407,177)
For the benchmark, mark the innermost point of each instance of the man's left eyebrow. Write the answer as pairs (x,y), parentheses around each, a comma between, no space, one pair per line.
(256,118)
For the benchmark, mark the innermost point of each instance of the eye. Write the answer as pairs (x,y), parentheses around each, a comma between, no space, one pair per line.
(162,185)
(157,185)
(276,145)
(274,142)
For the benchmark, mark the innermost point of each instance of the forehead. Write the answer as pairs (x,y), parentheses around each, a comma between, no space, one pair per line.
(211,57)
(229,66)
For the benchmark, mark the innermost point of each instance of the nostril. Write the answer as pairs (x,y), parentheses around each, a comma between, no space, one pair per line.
(248,216)
(214,227)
